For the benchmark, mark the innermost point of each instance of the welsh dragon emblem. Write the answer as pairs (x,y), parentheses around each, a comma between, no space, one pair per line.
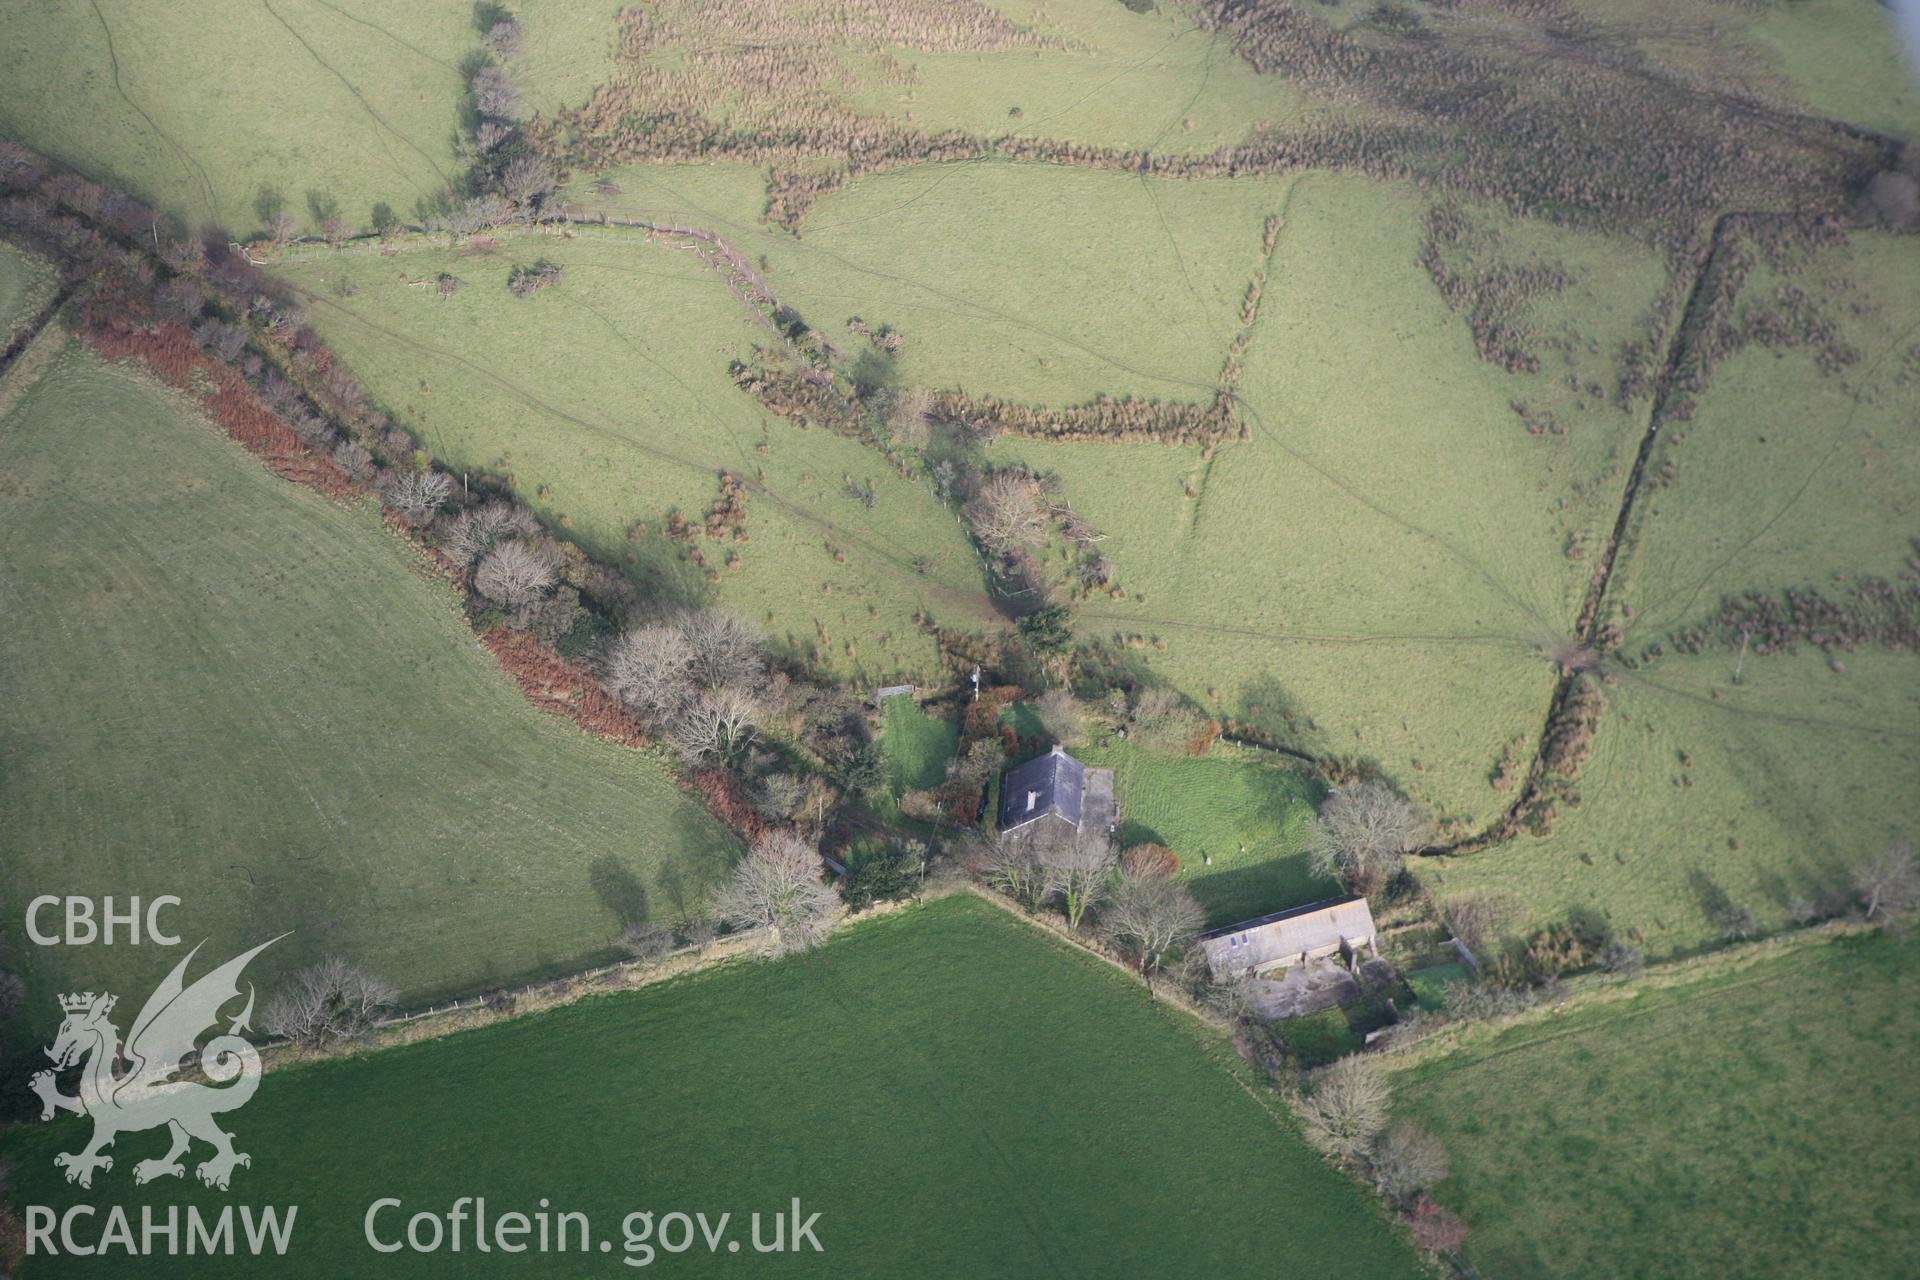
(131,1087)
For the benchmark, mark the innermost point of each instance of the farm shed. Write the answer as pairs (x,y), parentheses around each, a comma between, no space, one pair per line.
(1056,788)
(1337,926)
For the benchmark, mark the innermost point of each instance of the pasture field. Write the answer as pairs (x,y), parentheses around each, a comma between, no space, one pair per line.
(622,410)
(1759,1122)
(26,284)
(226,112)
(1380,569)
(1797,774)
(1000,275)
(1149,80)
(1826,56)
(1788,475)
(221,686)
(1004,283)
(1142,77)
(955,1093)
(1705,791)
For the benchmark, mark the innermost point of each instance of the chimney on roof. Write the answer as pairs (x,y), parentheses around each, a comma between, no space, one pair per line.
(1057,751)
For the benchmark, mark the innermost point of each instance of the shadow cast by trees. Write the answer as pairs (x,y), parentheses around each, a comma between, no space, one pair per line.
(618,889)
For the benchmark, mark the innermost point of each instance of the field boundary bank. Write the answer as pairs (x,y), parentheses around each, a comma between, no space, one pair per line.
(1590,990)
(29,332)
(440,1019)
(1566,711)
(811,149)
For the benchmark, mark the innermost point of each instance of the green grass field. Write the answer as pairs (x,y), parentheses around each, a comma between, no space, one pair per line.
(955,1093)
(998,274)
(1785,478)
(310,105)
(917,745)
(1760,1123)
(1386,557)
(1248,814)
(1125,79)
(227,688)
(1032,310)
(640,418)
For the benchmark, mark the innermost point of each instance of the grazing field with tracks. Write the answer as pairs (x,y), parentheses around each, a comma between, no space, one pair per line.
(953,1092)
(230,112)
(1382,569)
(1000,277)
(1724,779)
(621,411)
(225,687)
(1590,1143)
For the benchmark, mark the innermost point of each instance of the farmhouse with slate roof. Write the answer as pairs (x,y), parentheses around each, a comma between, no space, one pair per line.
(1059,791)
(1338,926)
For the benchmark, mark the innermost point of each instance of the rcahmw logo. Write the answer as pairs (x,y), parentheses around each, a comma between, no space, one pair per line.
(127,1087)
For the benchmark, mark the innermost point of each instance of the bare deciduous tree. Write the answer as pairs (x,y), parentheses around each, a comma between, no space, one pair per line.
(1364,833)
(651,670)
(352,457)
(644,940)
(495,94)
(1433,1229)
(414,496)
(725,647)
(527,180)
(714,724)
(1889,886)
(506,38)
(907,420)
(514,574)
(473,533)
(1623,958)
(1077,867)
(1151,916)
(327,1002)
(1160,718)
(789,850)
(1407,1160)
(777,887)
(1474,918)
(979,762)
(1014,869)
(1235,997)
(1347,1109)
(1007,514)
(282,226)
